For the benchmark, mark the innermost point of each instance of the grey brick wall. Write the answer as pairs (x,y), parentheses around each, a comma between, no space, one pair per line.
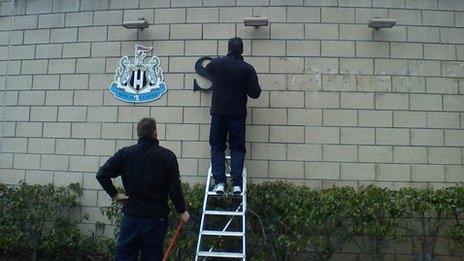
(341,104)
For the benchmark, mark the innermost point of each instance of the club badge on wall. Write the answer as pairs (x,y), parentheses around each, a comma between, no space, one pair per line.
(139,82)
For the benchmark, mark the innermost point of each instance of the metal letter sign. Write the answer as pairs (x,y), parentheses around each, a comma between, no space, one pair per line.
(138,82)
(201,70)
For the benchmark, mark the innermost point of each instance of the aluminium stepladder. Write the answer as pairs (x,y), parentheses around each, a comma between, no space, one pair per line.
(240,212)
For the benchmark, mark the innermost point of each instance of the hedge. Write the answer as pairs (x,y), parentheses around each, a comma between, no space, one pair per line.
(284,220)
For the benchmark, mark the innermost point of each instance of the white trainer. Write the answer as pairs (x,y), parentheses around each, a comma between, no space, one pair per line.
(237,190)
(219,188)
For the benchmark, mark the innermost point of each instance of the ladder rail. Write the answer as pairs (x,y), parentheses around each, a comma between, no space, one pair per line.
(208,180)
(244,209)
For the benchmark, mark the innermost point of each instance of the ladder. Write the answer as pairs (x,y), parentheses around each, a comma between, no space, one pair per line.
(240,211)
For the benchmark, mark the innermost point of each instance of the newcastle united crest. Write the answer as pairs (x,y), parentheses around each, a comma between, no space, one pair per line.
(139,82)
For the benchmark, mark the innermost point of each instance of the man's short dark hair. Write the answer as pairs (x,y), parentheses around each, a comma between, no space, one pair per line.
(235,46)
(146,128)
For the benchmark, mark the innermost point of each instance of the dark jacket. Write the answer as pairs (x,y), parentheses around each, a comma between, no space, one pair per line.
(149,173)
(233,81)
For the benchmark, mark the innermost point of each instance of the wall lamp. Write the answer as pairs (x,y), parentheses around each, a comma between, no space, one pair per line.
(256,21)
(137,24)
(381,23)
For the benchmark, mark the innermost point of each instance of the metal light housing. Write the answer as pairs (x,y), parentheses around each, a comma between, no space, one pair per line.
(381,23)
(137,24)
(256,21)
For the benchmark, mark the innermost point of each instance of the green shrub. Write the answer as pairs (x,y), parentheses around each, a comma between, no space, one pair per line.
(427,209)
(270,238)
(295,219)
(42,221)
(283,220)
(7,238)
(455,209)
(38,219)
(377,216)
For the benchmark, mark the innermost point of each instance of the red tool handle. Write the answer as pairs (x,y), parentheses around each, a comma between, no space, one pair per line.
(173,242)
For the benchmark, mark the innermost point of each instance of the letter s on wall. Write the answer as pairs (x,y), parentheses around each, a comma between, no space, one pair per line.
(201,70)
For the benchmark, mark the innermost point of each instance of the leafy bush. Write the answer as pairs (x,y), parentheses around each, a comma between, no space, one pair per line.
(427,209)
(377,217)
(40,221)
(270,238)
(283,221)
(455,209)
(37,218)
(297,219)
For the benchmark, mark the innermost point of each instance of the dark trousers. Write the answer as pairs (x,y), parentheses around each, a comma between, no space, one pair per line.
(233,128)
(141,234)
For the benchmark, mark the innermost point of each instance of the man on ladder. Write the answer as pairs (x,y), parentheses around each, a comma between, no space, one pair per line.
(233,81)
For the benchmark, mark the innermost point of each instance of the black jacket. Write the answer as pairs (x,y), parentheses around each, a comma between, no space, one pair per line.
(233,81)
(149,173)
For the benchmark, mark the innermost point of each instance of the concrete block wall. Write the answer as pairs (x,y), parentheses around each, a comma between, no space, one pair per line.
(341,103)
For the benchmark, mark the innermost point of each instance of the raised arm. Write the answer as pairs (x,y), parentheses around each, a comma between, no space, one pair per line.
(252,85)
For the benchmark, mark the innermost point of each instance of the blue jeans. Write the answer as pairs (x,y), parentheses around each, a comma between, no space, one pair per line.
(141,234)
(221,127)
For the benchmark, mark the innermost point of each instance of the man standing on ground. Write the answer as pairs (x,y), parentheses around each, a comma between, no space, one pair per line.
(149,174)
(233,81)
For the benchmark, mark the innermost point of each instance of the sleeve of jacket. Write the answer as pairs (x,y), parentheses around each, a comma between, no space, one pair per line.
(175,187)
(111,169)
(252,85)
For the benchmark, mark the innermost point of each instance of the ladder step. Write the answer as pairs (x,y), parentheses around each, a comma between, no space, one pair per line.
(212,193)
(223,213)
(227,175)
(222,233)
(221,254)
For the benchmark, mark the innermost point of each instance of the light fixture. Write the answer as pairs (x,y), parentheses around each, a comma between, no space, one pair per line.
(377,23)
(138,24)
(256,21)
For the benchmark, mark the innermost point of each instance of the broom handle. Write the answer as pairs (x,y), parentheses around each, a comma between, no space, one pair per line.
(173,242)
